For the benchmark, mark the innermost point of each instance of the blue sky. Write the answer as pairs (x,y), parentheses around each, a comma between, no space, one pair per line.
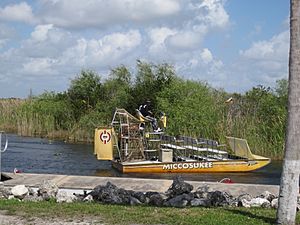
(231,44)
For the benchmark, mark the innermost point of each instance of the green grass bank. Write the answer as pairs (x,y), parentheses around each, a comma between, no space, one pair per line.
(114,214)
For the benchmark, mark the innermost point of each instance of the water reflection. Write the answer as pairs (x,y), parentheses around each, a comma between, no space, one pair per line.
(39,155)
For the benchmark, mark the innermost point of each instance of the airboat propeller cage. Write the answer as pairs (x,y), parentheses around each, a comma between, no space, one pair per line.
(103,143)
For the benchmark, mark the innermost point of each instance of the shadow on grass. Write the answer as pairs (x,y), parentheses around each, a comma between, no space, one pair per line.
(252,215)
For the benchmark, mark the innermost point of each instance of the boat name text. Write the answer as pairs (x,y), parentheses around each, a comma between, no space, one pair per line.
(181,166)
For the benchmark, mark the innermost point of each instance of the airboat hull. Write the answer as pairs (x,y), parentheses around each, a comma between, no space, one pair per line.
(191,167)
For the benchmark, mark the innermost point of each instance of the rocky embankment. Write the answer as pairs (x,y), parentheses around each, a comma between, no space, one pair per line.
(180,194)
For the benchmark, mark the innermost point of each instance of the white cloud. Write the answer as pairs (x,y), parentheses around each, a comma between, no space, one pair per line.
(275,48)
(262,64)
(21,12)
(155,30)
(209,12)
(158,37)
(109,50)
(2,42)
(64,37)
(185,40)
(46,41)
(215,13)
(201,65)
(40,32)
(189,15)
(201,18)
(102,13)
(6,34)
(50,52)
(206,56)
(38,66)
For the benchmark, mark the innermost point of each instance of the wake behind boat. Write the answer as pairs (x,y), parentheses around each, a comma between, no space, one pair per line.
(133,149)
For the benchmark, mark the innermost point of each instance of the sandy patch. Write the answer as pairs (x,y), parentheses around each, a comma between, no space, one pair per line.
(18,220)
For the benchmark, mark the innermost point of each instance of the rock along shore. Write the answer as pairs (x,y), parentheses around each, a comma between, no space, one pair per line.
(178,194)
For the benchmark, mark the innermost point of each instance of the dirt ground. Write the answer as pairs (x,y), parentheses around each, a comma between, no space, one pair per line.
(6,219)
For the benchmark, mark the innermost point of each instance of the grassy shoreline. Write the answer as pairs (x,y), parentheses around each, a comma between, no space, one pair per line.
(116,214)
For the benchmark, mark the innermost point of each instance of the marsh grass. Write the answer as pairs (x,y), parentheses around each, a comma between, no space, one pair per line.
(8,113)
(193,108)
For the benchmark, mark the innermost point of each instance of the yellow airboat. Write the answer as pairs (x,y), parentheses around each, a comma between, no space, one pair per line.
(132,149)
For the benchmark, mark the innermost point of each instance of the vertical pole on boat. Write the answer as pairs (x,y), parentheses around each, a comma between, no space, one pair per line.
(2,150)
(229,116)
(231,120)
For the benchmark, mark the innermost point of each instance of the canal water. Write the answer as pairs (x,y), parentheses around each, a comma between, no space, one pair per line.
(40,155)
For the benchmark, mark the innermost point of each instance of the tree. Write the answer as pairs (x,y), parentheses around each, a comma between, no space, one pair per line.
(117,91)
(150,81)
(84,92)
(289,185)
(281,88)
(190,107)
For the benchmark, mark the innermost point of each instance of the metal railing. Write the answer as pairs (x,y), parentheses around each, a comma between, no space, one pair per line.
(2,133)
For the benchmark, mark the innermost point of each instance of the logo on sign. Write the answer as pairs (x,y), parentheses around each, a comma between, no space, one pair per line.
(105,137)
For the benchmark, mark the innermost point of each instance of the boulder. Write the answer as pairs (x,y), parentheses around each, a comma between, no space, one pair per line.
(267,195)
(140,196)
(125,195)
(88,198)
(47,190)
(266,204)
(218,198)
(243,200)
(274,203)
(179,201)
(107,194)
(134,201)
(148,194)
(234,203)
(200,202)
(4,192)
(202,192)
(32,191)
(260,202)
(111,194)
(255,202)
(81,197)
(157,199)
(244,203)
(244,196)
(64,196)
(10,197)
(19,191)
(179,187)
(33,198)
